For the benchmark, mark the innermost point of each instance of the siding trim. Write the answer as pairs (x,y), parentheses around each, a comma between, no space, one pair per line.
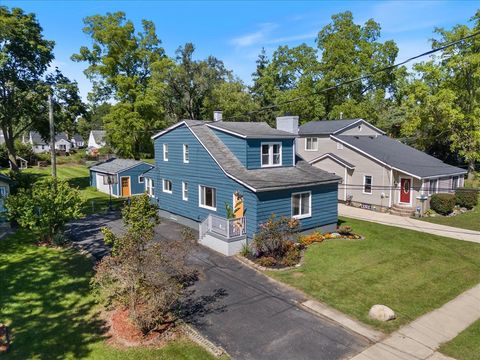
(356,122)
(321,157)
(167,130)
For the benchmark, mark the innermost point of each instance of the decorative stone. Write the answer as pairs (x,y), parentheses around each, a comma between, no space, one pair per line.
(381,313)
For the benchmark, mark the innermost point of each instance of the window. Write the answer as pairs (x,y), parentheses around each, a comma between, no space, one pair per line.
(311,144)
(149,188)
(271,154)
(301,205)
(109,179)
(167,186)
(165,152)
(186,155)
(185,190)
(367,184)
(62,147)
(432,186)
(3,191)
(207,197)
(339,146)
(141,179)
(455,181)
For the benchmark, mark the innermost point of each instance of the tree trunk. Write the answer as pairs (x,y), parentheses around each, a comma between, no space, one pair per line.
(10,145)
(471,170)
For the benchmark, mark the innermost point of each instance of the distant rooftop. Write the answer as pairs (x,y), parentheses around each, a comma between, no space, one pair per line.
(325,126)
(251,130)
(114,166)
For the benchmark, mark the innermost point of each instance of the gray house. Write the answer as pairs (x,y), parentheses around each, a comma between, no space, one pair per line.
(377,172)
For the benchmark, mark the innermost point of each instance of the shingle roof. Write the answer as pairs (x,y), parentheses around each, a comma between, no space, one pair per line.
(400,156)
(77,137)
(266,179)
(252,130)
(335,157)
(114,166)
(324,126)
(39,140)
(99,136)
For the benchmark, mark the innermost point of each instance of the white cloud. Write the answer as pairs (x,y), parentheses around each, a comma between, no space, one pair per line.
(254,37)
(309,35)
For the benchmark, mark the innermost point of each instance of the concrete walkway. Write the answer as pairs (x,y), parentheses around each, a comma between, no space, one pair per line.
(408,223)
(421,338)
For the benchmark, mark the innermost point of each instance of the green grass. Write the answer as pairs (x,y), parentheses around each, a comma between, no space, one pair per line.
(469,220)
(411,272)
(466,346)
(45,300)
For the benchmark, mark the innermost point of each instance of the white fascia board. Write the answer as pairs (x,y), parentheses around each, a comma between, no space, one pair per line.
(168,129)
(333,158)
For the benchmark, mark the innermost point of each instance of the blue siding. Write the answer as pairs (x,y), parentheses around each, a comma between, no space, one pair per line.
(201,170)
(254,157)
(324,205)
(136,187)
(237,145)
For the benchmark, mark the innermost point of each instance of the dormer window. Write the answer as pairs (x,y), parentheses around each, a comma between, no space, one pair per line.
(311,144)
(271,154)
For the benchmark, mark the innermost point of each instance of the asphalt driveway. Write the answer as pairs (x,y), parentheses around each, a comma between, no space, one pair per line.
(239,309)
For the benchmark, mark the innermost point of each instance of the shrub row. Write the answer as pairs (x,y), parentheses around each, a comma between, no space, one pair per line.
(445,203)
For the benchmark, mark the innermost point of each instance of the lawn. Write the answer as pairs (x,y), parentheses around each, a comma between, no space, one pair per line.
(411,272)
(466,346)
(46,301)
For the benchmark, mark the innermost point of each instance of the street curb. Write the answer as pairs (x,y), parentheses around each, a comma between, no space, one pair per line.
(199,339)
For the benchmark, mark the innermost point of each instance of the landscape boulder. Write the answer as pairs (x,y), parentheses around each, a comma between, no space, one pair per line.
(381,313)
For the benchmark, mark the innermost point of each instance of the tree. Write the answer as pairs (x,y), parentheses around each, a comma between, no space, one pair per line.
(45,207)
(148,278)
(24,58)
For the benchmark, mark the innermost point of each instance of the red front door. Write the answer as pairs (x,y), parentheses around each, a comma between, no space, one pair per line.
(405,185)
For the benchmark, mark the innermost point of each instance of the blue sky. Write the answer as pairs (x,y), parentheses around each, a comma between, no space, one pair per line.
(235,31)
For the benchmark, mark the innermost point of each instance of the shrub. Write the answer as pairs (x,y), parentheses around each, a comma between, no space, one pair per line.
(60,239)
(314,237)
(245,250)
(292,254)
(267,261)
(345,230)
(273,234)
(442,203)
(467,198)
(188,235)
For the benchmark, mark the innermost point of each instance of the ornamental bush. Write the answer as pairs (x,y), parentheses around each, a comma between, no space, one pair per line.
(467,198)
(442,203)
(272,236)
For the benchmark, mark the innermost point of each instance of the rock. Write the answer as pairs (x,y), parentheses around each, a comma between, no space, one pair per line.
(381,313)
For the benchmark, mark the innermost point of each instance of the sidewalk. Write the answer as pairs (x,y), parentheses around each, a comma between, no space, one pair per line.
(421,338)
(408,223)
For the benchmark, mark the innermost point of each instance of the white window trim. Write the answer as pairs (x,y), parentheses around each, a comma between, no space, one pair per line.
(141,176)
(411,191)
(163,186)
(185,160)
(316,144)
(149,184)
(200,198)
(270,154)
(436,186)
(165,152)
(364,183)
(183,190)
(302,216)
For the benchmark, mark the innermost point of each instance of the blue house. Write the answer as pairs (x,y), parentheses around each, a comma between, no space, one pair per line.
(227,178)
(120,177)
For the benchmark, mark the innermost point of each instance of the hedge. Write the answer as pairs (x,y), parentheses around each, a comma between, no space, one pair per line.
(467,198)
(442,203)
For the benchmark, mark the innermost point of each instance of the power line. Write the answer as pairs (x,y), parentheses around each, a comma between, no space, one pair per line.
(360,78)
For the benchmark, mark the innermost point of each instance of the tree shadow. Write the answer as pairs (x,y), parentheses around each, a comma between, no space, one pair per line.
(46,300)
(192,309)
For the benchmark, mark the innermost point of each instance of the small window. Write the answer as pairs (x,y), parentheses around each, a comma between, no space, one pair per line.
(359,127)
(367,184)
(167,186)
(3,191)
(433,186)
(311,144)
(207,197)
(141,179)
(185,190)
(165,152)
(455,182)
(149,188)
(186,155)
(339,146)
(271,154)
(301,205)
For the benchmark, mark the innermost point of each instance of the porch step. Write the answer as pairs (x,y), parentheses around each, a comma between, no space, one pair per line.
(402,210)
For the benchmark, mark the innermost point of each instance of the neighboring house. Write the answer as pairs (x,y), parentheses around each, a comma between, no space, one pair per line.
(120,177)
(96,139)
(5,182)
(203,167)
(77,141)
(40,145)
(377,172)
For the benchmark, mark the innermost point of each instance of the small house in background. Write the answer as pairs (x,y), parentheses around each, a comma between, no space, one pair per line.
(41,145)
(5,183)
(77,141)
(96,139)
(120,177)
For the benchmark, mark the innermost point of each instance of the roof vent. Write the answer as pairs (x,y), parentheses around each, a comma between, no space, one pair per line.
(217,115)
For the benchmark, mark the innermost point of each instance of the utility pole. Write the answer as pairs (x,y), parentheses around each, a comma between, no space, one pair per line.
(52,136)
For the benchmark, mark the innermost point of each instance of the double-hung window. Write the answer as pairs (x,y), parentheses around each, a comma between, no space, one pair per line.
(432,186)
(271,154)
(167,186)
(149,188)
(185,190)
(186,154)
(207,197)
(455,181)
(301,205)
(311,144)
(165,152)
(367,184)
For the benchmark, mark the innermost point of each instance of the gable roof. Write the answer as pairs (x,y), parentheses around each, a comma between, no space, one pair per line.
(251,130)
(327,127)
(335,158)
(114,166)
(77,137)
(258,180)
(98,136)
(37,139)
(400,156)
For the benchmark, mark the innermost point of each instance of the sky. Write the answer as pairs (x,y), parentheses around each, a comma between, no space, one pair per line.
(236,31)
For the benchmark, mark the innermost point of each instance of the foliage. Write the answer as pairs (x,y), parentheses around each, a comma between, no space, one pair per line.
(442,203)
(272,236)
(245,250)
(467,198)
(148,278)
(314,237)
(188,236)
(345,230)
(60,239)
(267,261)
(292,254)
(45,207)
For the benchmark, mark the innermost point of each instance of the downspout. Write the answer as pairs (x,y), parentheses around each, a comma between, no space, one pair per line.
(391,187)
(345,185)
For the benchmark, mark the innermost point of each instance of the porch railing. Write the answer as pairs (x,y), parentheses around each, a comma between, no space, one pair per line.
(227,228)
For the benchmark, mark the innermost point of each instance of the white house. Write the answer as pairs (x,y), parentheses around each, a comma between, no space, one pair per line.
(96,139)
(40,145)
(77,141)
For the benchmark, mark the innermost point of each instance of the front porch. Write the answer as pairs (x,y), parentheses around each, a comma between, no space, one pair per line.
(227,236)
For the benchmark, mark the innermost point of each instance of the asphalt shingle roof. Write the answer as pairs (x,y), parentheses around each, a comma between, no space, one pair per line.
(252,130)
(99,136)
(401,156)
(39,140)
(78,137)
(324,126)
(265,179)
(114,166)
